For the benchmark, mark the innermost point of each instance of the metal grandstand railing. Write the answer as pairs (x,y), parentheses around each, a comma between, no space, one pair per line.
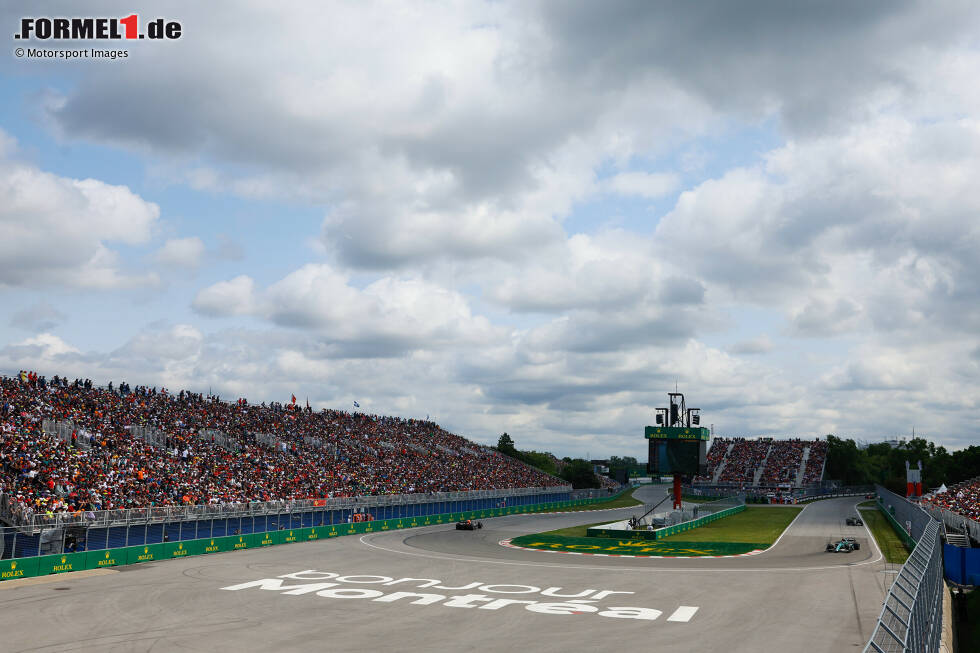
(911,619)
(10,514)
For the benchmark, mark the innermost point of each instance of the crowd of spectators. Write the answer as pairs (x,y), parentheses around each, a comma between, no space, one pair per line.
(742,458)
(962,498)
(783,462)
(814,464)
(208,451)
(716,453)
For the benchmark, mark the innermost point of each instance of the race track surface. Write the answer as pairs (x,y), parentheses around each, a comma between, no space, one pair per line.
(470,593)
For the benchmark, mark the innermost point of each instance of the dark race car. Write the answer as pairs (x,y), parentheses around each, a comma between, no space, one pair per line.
(854,521)
(843,545)
(468,525)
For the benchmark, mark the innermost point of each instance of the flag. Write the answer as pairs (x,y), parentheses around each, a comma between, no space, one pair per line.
(357,405)
(294,399)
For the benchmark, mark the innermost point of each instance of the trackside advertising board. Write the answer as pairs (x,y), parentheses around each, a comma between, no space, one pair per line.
(67,562)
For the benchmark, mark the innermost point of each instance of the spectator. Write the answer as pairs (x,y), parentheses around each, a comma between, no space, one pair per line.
(143,447)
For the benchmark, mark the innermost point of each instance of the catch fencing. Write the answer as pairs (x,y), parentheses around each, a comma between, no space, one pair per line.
(912,615)
(56,533)
(911,619)
(954,521)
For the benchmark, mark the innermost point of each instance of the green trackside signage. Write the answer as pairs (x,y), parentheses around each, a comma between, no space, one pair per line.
(592,545)
(676,433)
(68,562)
(18,568)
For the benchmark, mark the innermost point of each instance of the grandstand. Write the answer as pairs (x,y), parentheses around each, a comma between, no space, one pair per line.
(961,498)
(71,446)
(765,462)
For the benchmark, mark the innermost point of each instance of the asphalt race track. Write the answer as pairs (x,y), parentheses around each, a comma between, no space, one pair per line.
(469,593)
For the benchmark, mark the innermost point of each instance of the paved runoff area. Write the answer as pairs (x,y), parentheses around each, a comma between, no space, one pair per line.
(438,589)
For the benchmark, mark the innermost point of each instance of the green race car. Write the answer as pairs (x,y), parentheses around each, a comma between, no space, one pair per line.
(843,545)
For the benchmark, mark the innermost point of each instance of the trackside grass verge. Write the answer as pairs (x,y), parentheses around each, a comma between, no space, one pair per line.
(753,525)
(624,501)
(888,541)
(573,531)
(752,530)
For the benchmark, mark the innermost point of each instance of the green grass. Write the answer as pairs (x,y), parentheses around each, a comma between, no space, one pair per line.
(574,531)
(688,499)
(761,525)
(888,541)
(624,501)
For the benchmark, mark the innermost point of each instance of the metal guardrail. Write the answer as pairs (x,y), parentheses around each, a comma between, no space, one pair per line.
(911,618)
(137,516)
(17,542)
(955,521)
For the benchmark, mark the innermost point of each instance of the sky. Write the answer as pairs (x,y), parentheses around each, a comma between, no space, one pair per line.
(531,217)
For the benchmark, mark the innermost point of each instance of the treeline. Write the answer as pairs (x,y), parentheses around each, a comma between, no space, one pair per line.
(884,464)
(576,471)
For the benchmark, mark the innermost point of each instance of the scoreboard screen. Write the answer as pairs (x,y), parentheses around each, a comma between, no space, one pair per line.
(677,450)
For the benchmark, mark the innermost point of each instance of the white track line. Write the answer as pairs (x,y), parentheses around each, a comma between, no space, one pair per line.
(786,530)
(365,539)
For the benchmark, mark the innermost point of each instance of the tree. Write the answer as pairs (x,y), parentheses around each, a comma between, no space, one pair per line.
(579,473)
(625,461)
(505,445)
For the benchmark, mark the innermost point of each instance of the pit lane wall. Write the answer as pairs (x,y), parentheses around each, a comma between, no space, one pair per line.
(667,531)
(66,562)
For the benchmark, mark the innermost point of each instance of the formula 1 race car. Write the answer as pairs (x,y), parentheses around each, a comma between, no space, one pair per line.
(468,525)
(843,545)
(854,521)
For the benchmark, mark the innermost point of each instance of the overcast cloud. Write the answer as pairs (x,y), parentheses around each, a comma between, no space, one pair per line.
(513,216)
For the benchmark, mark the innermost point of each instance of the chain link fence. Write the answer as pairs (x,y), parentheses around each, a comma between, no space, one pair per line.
(955,522)
(911,619)
(912,615)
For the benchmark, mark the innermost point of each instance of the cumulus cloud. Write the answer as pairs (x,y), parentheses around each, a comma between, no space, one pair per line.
(447,150)
(233,297)
(388,317)
(59,230)
(41,316)
(760,345)
(643,184)
(181,252)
